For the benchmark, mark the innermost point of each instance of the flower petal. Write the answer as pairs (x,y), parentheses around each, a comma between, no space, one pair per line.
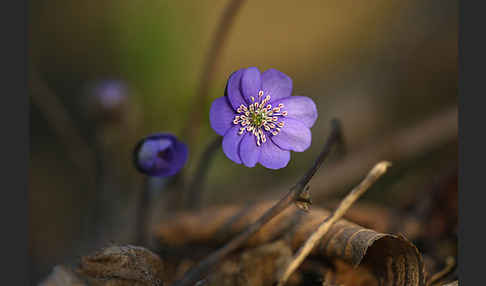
(273,157)
(249,151)
(146,154)
(251,84)
(276,84)
(181,154)
(294,135)
(231,144)
(233,89)
(301,108)
(221,115)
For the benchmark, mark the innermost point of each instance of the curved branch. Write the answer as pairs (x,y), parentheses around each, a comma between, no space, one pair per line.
(292,196)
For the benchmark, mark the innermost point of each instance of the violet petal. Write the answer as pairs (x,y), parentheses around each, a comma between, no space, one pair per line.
(276,84)
(301,108)
(273,157)
(181,155)
(251,84)
(231,144)
(294,135)
(249,151)
(221,115)
(233,89)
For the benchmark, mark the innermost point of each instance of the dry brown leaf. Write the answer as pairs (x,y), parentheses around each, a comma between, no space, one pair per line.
(392,258)
(253,267)
(123,265)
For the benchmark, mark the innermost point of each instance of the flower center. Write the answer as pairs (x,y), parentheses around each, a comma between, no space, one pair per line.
(258,119)
(165,154)
(260,116)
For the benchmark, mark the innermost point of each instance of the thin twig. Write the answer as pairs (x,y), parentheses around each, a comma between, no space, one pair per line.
(196,187)
(450,265)
(375,173)
(293,195)
(211,62)
(402,145)
(143,214)
(406,144)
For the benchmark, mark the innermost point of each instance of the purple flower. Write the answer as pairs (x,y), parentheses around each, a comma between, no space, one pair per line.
(160,155)
(260,119)
(110,94)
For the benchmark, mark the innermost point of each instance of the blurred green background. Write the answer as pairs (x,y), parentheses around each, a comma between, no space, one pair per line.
(378,65)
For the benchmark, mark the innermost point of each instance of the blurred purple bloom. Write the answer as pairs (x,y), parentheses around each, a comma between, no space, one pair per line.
(260,119)
(110,94)
(160,155)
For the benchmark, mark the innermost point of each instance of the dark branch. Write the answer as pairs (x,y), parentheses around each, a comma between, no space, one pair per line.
(335,138)
(212,59)
(196,186)
(201,269)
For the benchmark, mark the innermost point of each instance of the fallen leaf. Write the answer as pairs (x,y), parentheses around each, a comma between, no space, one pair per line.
(392,259)
(255,266)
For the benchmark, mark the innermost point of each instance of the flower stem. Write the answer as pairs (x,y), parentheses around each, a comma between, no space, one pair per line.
(64,127)
(196,186)
(143,213)
(144,209)
(201,269)
(211,62)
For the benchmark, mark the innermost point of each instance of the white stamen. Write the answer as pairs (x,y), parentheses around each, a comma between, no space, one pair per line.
(266,118)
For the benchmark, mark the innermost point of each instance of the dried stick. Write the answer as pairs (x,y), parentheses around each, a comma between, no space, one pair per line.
(403,145)
(375,173)
(196,187)
(212,59)
(292,196)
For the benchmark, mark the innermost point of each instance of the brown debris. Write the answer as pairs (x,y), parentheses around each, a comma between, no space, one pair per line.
(253,267)
(123,265)
(392,257)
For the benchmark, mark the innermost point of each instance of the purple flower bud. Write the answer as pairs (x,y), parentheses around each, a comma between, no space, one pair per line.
(110,94)
(107,100)
(260,119)
(160,155)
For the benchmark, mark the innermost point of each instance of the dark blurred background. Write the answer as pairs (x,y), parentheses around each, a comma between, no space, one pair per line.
(381,66)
